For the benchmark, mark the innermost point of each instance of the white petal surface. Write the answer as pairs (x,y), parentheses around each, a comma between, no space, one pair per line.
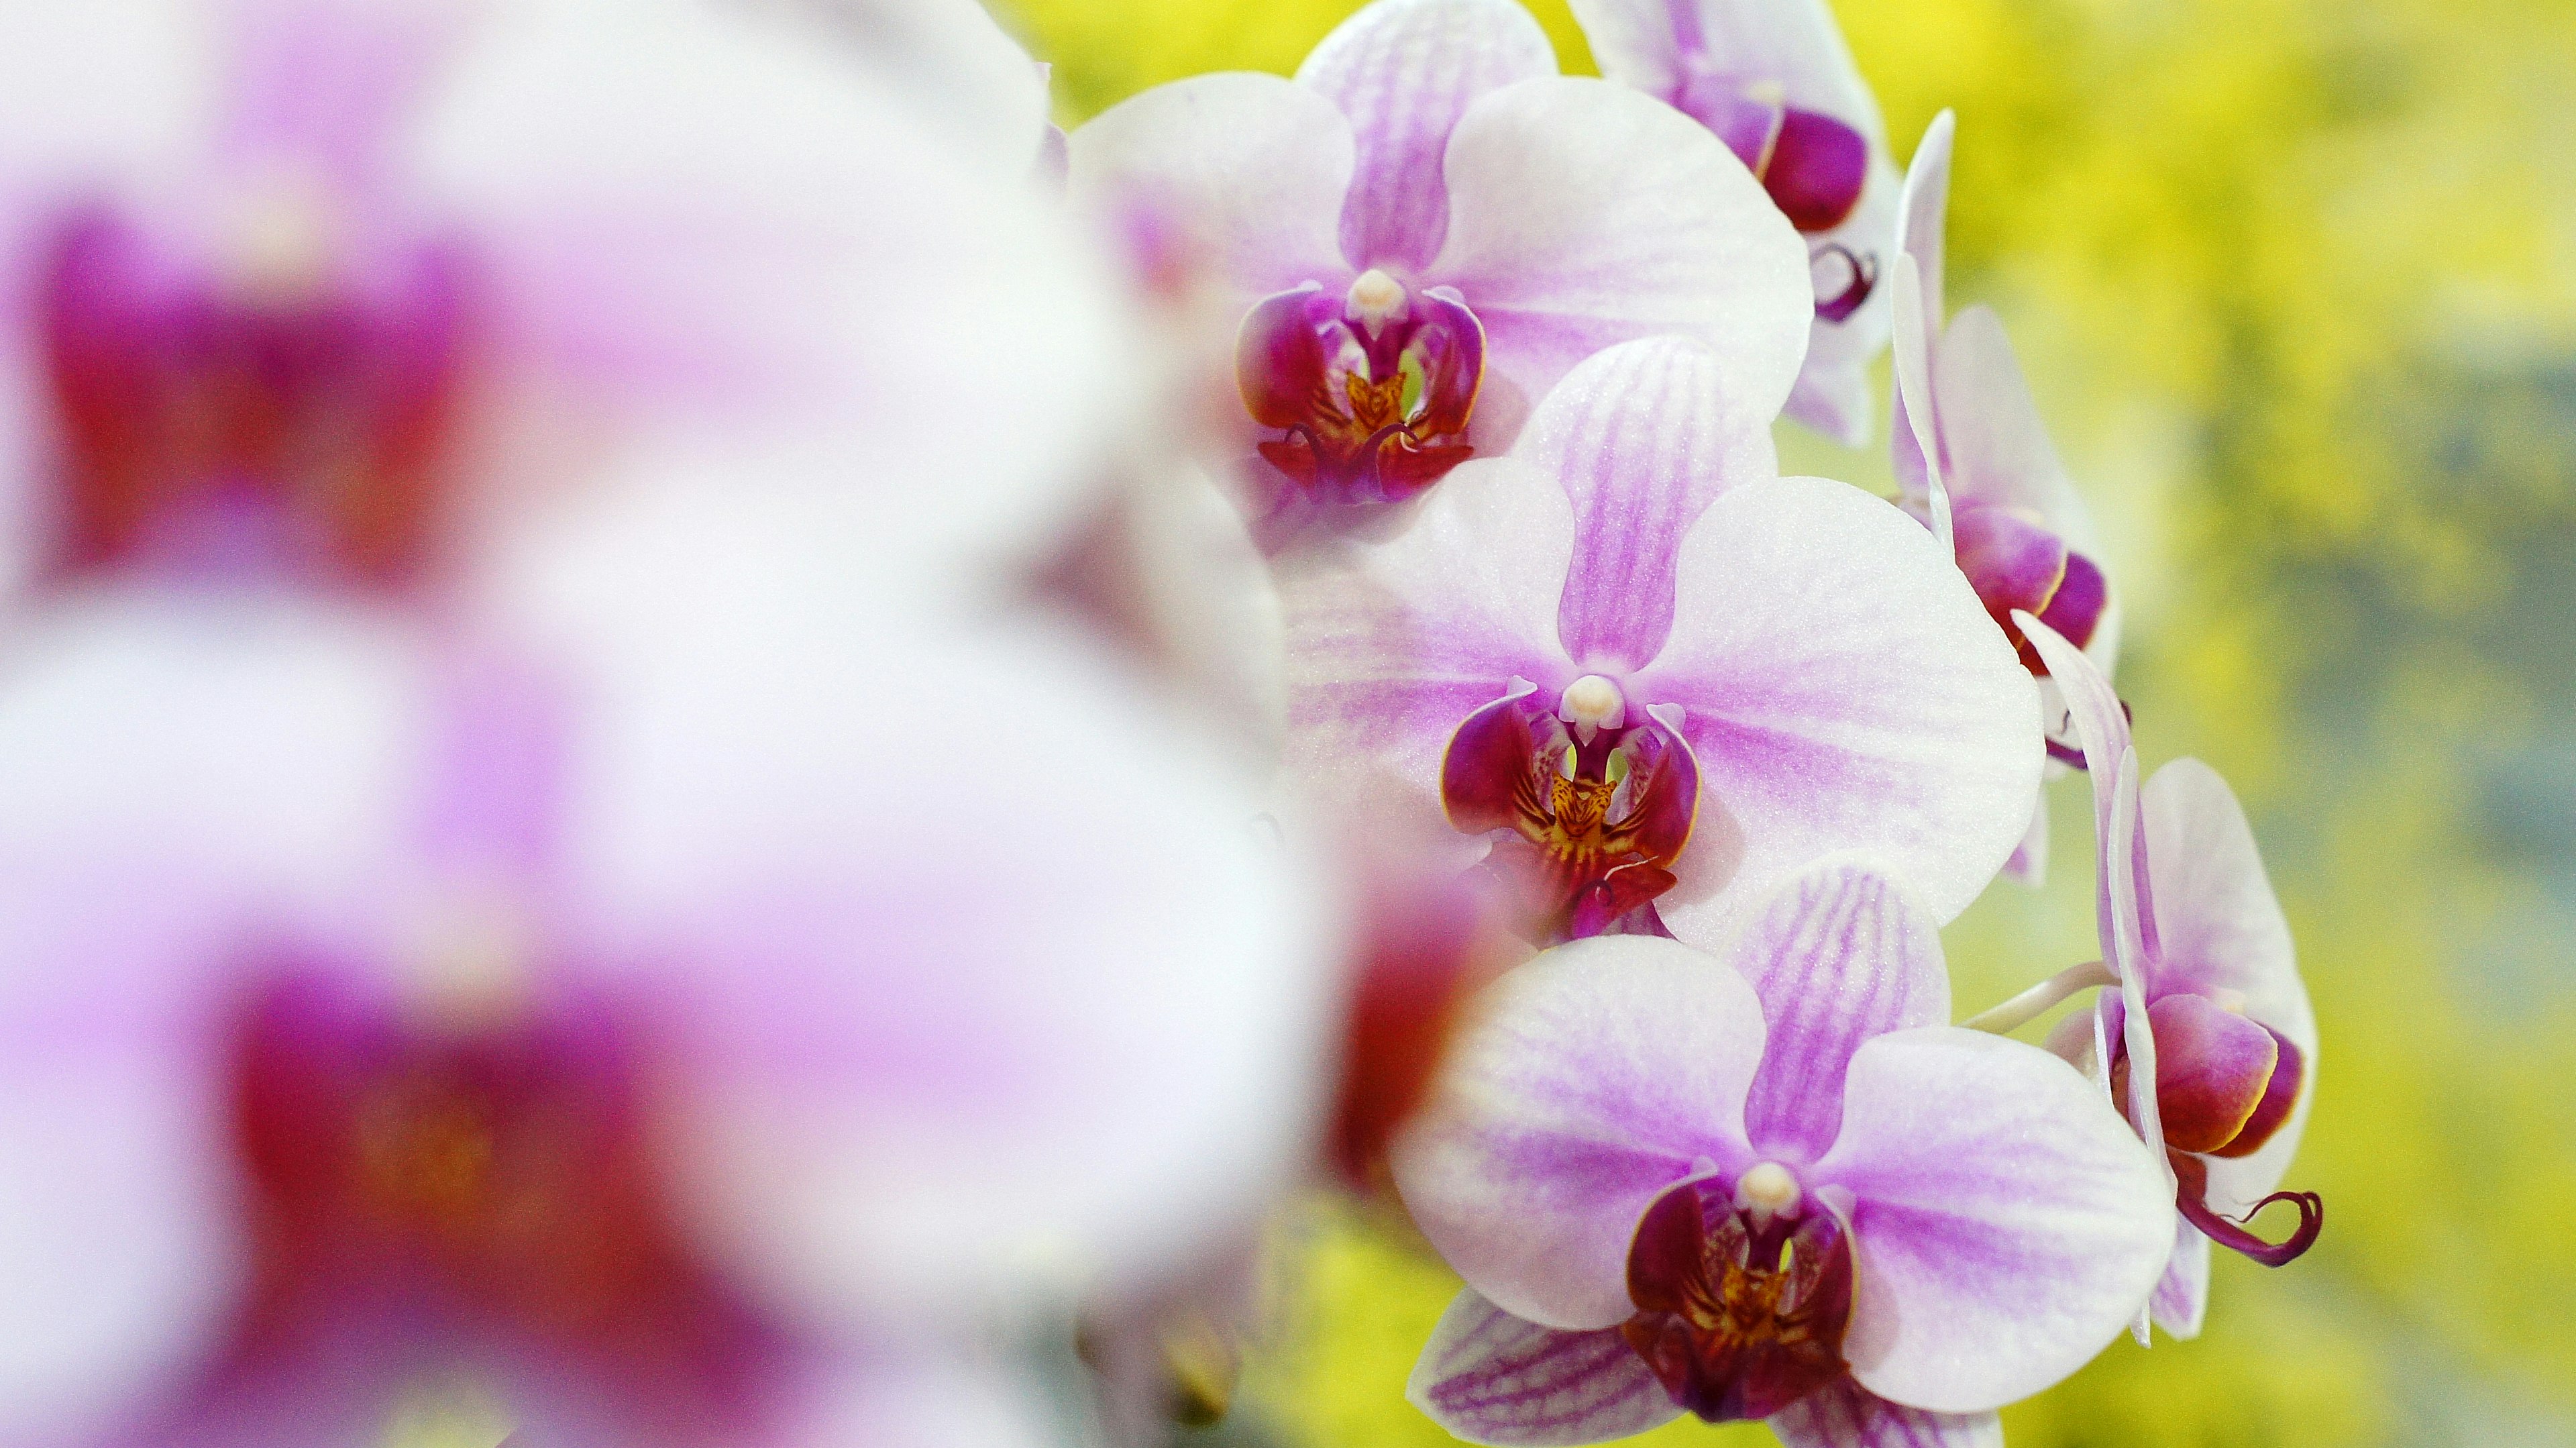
(984,975)
(1598,1075)
(2182,1294)
(2000,452)
(1253,167)
(2005,1225)
(700,229)
(1583,214)
(1392,645)
(1843,690)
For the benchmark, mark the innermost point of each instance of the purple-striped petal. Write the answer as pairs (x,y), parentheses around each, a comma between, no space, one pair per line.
(1404,71)
(1391,646)
(1583,214)
(2181,1300)
(1489,1377)
(1253,169)
(1847,1415)
(1601,1073)
(1643,436)
(2004,1225)
(1843,690)
(1839,954)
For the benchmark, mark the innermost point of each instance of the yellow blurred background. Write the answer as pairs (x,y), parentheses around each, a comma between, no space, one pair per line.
(2296,283)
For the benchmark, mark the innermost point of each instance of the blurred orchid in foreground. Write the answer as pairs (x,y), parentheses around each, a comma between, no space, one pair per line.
(1992,482)
(330,287)
(1429,226)
(1775,1185)
(1774,80)
(2211,1008)
(1659,674)
(383,1017)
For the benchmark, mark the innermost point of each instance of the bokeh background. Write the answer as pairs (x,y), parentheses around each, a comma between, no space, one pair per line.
(2296,284)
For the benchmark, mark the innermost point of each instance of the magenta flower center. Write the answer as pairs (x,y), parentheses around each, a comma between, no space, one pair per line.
(2017,562)
(479,1179)
(1590,810)
(259,413)
(1369,393)
(1813,166)
(1742,1295)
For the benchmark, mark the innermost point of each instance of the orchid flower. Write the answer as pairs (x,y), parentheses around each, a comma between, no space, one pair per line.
(1773,79)
(2210,1008)
(1655,673)
(2021,531)
(652,1037)
(1429,226)
(1774,1185)
(332,288)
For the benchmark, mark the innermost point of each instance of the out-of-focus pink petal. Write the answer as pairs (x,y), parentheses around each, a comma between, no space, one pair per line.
(325,87)
(1404,71)
(978,970)
(1258,166)
(1391,646)
(963,69)
(1842,690)
(918,1399)
(2220,926)
(1847,1415)
(1601,1073)
(1489,1377)
(2005,1226)
(175,783)
(1643,437)
(697,230)
(1839,954)
(2182,1294)
(1584,214)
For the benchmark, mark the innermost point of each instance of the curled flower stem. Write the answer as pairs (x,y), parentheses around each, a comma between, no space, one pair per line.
(2022,1009)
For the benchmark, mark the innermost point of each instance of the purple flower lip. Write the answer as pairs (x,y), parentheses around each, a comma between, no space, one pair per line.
(2225,1086)
(2017,563)
(1740,1312)
(1814,166)
(1371,392)
(296,423)
(1844,280)
(1595,822)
